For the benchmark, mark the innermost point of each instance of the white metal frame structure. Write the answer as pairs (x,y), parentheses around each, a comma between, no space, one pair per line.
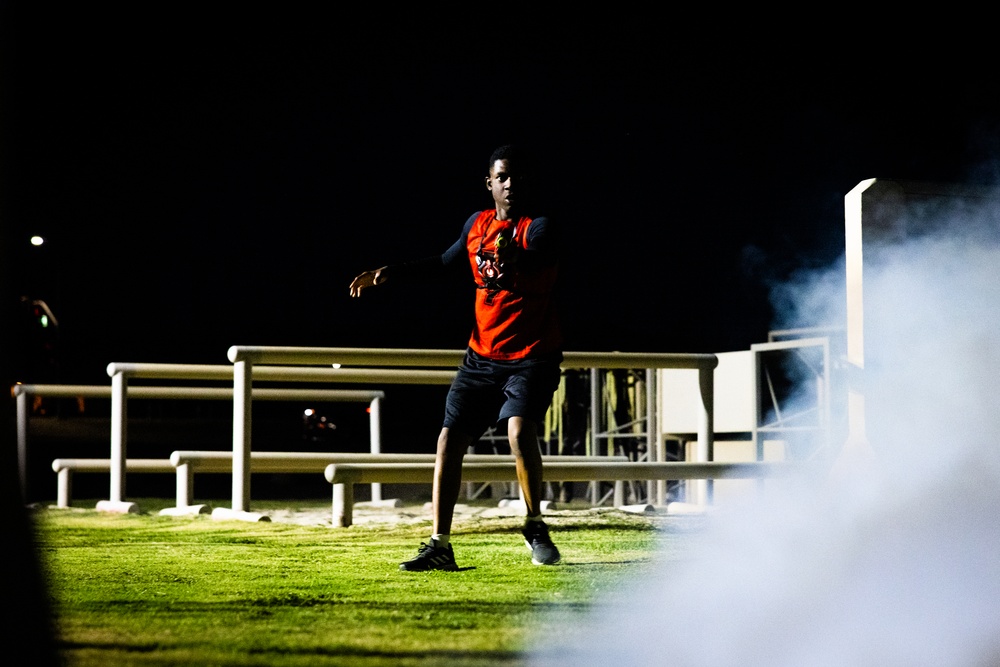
(122,372)
(120,392)
(302,362)
(811,419)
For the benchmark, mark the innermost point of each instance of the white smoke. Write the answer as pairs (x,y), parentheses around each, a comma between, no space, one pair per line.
(891,557)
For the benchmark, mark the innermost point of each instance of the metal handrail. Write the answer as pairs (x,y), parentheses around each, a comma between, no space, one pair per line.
(245,358)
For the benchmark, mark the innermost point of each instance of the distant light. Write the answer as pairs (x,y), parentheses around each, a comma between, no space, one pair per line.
(336,365)
(37,240)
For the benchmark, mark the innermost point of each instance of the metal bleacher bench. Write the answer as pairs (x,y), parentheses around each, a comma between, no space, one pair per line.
(64,469)
(189,462)
(185,463)
(345,475)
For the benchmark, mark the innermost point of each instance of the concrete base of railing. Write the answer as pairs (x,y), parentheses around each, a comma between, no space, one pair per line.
(186,510)
(117,507)
(388,502)
(228,514)
(642,508)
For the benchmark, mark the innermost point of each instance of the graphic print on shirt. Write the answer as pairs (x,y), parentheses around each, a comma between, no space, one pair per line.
(496,258)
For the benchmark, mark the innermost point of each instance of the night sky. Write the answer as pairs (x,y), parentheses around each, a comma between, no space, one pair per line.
(217,180)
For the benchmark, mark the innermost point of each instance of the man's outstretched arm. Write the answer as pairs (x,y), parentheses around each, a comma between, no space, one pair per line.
(423,269)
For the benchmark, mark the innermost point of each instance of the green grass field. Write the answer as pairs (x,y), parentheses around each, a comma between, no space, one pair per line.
(145,590)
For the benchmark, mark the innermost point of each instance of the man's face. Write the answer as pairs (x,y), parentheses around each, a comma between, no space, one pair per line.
(499,184)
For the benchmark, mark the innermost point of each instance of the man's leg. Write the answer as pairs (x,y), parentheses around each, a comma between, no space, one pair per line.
(523,436)
(437,553)
(451,449)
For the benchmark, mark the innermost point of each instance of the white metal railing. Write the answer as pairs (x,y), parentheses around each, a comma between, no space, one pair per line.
(343,476)
(121,373)
(317,365)
(296,361)
(119,392)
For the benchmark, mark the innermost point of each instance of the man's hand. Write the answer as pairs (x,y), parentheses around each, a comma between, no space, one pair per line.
(367,279)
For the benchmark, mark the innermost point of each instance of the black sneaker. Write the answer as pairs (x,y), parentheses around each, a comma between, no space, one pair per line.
(536,536)
(431,557)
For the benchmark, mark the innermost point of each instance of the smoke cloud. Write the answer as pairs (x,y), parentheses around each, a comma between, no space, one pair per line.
(890,554)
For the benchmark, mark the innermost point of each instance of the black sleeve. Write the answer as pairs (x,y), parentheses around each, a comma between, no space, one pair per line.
(435,266)
(543,245)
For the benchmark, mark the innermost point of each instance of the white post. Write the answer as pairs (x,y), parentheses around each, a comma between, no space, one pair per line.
(375,425)
(595,423)
(652,430)
(185,485)
(64,487)
(119,437)
(242,394)
(343,504)
(706,430)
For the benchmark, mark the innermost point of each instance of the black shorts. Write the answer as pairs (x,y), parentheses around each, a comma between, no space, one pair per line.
(487,391)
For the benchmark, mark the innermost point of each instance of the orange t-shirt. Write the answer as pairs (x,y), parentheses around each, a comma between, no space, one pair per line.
(515,307)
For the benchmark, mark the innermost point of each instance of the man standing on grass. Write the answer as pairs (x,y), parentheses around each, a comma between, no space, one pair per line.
(512,365)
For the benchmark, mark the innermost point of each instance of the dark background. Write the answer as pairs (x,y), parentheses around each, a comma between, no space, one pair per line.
(208,179)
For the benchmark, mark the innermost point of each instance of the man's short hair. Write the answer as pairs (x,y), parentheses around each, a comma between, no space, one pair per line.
(513,153)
